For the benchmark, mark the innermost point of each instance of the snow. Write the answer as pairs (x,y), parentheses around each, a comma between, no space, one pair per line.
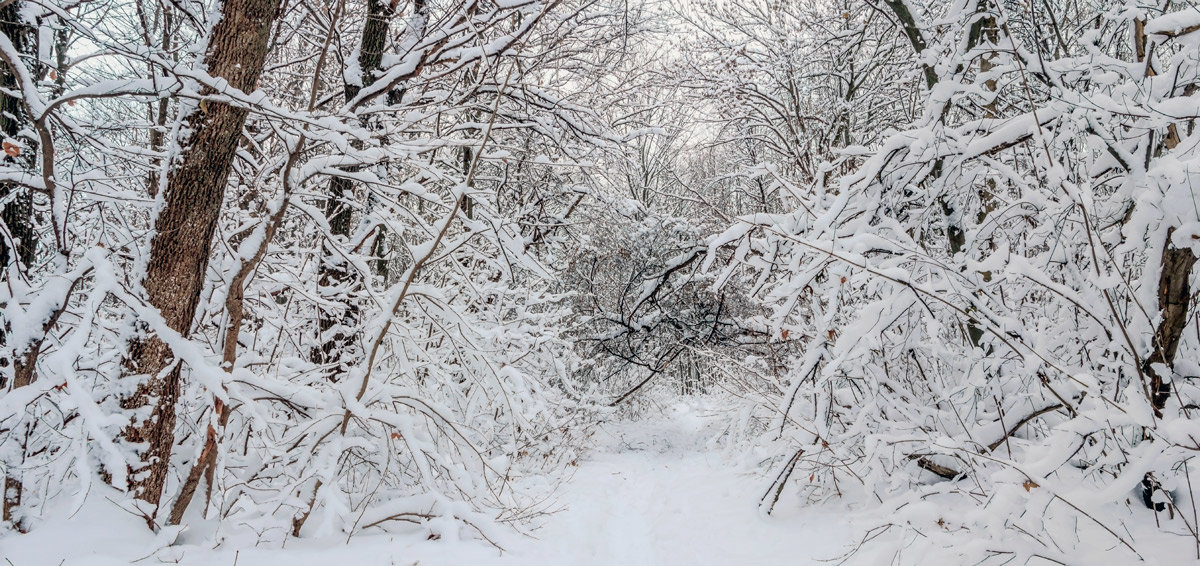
(654,492)
(656,496)
(1175,23)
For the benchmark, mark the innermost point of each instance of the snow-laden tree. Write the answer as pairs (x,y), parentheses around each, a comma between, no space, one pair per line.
(289,267)
(995,295)
(317,266)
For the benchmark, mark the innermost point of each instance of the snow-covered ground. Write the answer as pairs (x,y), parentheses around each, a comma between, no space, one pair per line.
(652,493)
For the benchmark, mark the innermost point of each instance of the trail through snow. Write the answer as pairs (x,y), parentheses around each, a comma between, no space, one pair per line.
(651,494)
(657,496)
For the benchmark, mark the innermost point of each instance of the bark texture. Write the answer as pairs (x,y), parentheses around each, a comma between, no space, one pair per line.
(179,252)
(18,212)
(1174,294)
(18,245)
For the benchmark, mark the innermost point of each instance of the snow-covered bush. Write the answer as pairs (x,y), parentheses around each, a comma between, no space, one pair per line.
(375,339)
(996,295)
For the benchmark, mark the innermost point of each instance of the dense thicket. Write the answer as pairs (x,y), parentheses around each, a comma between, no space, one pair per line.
(332,266)
(985,248)
(284,261)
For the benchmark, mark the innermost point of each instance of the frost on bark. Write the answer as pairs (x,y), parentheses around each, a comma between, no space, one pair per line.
(179,251)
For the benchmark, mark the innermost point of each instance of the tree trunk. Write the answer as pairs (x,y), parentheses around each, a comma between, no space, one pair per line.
(19,244)
(17,213)
(158,110)
(334,323)
(334,272)
(1174,294)
(184,229)
(908,25)
(1174,287)
(985,28)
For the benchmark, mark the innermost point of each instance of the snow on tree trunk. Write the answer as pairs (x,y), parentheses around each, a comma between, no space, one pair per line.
(180,249)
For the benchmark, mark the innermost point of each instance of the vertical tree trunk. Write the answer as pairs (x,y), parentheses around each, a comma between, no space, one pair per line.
(332,349)
(334,323)
(1174,294)
(985,28)
(18,245)
(184,229)
(1174,287)
(158,110)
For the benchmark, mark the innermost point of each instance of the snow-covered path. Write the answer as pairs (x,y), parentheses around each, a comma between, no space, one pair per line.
(651,494)
(658,498)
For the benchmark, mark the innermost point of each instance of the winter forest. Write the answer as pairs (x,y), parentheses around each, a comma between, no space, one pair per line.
(527,282)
